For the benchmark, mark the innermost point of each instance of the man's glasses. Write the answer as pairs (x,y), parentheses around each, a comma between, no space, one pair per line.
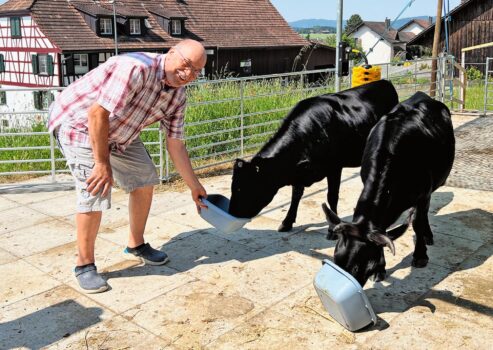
(190,69)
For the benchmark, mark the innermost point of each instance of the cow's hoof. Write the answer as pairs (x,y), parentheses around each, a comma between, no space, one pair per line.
(419,263)
(331,236)
(429,240)
(378,277)
(284,227)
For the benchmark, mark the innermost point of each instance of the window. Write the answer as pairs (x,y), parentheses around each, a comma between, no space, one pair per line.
(105,26)
(15,27)
(81,64)
(246,65)
(176,27)
(3,98)
(43,64)
(42,99)
(134,26)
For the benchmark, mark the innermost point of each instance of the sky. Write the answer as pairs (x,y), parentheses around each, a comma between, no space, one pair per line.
(369,10)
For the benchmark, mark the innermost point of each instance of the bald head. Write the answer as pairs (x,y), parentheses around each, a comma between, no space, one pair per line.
(184,62)
(194,51)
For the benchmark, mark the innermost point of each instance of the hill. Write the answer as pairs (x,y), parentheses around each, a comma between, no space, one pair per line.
(310,23)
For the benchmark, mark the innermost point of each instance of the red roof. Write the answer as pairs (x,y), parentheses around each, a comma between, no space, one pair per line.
(221,23)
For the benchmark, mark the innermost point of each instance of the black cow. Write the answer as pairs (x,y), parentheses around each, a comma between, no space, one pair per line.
(408,155)
(319,137)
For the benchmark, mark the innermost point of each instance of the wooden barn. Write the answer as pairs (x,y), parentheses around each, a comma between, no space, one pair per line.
(48,43)
(471,24)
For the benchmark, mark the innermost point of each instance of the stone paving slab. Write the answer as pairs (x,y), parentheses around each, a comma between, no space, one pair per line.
(251,289)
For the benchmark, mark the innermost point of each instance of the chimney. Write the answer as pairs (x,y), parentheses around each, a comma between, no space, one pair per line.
(387,23)
(430,20)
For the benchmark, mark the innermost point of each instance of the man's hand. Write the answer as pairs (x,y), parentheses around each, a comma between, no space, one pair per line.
(198,192)
(101,179)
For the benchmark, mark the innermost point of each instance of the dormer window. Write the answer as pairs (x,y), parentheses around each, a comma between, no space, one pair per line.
(134,26)
(171,21)
(105,26)
(175,27)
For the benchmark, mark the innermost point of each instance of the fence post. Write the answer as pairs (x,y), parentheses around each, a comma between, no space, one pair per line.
(462,79)
(52,157)
(415,76)
(242,117)
(486,74)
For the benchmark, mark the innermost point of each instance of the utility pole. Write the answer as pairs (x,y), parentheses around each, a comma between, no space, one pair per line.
(338,40)
(112,2)
(434,53)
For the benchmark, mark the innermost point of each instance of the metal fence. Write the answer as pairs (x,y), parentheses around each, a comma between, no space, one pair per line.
(226,118)
(488,86)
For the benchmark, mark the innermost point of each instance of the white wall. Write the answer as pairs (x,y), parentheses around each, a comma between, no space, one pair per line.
(19,103)
(413,28)
(381,53)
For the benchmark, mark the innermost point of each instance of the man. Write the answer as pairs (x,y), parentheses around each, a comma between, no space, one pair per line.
(97,121)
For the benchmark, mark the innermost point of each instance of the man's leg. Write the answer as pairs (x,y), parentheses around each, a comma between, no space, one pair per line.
(87,230)
(139,204)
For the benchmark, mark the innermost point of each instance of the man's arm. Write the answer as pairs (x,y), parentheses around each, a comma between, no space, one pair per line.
(101,177)
(179,156)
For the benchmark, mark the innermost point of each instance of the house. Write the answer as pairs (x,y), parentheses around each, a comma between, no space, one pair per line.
(51,43)
(471,23)
(381,42)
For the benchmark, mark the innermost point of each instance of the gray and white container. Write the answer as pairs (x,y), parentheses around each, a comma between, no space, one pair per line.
(343,297)
(217,214)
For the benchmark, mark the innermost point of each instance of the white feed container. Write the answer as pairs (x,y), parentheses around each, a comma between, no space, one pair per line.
(217,214)
(343,297)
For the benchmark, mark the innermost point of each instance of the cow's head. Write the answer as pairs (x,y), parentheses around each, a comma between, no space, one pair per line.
(253,187)
(359,247)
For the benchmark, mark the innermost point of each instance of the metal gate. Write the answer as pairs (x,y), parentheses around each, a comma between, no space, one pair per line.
(488,86)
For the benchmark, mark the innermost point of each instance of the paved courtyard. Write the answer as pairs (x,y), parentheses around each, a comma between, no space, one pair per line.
(251,289)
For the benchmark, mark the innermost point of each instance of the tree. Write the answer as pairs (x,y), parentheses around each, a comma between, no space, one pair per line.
(352,22)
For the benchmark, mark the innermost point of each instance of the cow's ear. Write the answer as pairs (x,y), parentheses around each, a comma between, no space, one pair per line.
(331,217)
(382,240)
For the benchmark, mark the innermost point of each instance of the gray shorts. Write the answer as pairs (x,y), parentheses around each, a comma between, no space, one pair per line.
(132,169)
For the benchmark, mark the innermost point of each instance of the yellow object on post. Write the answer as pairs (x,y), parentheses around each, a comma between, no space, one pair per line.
(365,74)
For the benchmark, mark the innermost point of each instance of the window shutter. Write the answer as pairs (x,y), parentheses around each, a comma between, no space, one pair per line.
(2,64)
(37,99)
(98,26)
(93,60)
(15,27)
(51,68)
(69,65)
(34,61)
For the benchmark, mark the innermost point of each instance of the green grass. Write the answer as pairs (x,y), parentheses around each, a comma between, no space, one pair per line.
(204,124)
(213,129)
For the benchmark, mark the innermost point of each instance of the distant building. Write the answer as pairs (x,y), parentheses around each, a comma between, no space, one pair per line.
(386,42)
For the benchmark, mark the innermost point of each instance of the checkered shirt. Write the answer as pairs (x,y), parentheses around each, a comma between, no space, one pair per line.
(131,87)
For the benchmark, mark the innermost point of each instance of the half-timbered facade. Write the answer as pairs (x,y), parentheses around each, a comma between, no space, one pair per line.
(51,43)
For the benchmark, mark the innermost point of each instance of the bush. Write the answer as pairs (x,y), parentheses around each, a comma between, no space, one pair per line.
(473,73)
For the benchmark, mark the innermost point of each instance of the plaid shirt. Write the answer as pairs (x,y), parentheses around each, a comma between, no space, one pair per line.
(131,87)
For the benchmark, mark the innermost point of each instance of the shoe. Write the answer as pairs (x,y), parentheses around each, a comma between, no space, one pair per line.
(90,281)
(148,254)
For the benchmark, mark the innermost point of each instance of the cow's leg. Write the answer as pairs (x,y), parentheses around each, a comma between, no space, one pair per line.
(287,223)
(424,236)
(334,184)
